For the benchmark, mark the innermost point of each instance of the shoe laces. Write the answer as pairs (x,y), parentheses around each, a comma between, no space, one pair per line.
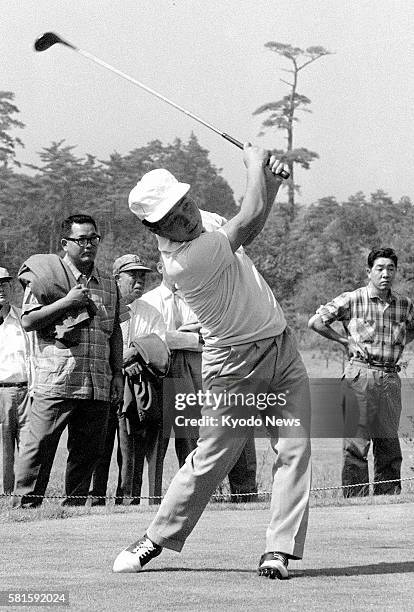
(282,557)
(144,547)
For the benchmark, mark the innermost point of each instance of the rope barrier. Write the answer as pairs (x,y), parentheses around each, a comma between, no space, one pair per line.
(221,496)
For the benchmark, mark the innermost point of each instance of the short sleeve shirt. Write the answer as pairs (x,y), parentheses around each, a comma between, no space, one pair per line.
(230,298)
(377,325)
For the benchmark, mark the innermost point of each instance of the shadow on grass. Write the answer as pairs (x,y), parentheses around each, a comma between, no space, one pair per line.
(405,567)
(200,569)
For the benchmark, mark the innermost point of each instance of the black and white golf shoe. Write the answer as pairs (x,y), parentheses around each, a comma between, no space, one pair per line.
(136,556)
(274,565)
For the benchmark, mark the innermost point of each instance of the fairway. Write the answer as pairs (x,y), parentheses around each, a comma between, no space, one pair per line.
(357,556)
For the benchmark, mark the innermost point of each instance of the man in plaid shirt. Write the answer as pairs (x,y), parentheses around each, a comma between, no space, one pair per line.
(377,323)
(73,382)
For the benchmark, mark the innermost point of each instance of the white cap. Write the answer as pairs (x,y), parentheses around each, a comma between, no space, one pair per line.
(155,194)
(4,275)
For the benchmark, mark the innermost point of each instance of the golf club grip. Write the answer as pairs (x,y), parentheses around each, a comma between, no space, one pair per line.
(283,173)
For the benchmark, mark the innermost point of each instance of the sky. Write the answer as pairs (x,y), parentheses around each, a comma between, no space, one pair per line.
(210,58)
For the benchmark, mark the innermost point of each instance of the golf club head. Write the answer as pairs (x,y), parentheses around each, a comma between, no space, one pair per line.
(48,39)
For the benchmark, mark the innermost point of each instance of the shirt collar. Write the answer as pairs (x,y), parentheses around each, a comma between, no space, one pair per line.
(76,273)
(165,291)
(167,294)
(13,313)
(372,295)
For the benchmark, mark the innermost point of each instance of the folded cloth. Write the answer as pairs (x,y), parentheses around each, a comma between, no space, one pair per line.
(50,279)
(150,353)
(145,362)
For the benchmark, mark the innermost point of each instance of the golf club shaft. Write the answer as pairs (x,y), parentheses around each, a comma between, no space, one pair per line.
(50,38)
(123,75)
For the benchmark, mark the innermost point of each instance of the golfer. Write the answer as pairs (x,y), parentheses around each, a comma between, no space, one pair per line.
(249,352)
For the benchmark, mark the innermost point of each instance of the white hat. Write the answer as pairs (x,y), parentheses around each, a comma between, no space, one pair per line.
(4,275)
(155,194)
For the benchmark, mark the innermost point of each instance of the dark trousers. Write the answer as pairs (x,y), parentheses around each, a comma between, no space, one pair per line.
(372,409)
(101,473)
(184,377)
(242,477)
(135,444)
(86,421)
(139,443)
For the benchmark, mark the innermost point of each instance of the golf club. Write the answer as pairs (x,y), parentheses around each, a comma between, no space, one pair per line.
(48,39)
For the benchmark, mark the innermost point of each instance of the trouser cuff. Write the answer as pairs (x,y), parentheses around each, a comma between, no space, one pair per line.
(165,542)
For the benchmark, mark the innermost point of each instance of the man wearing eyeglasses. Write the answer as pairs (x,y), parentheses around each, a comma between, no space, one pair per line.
(76,377)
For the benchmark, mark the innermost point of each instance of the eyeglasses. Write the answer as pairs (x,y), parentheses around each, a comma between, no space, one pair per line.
(84,241)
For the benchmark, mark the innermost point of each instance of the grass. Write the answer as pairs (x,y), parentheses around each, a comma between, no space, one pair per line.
(355,554)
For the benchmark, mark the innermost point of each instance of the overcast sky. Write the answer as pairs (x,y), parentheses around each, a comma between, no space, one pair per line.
(209,57)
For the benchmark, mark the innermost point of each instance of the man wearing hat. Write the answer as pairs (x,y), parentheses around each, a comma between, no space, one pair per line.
(248,348)
(136,441)
(14,364)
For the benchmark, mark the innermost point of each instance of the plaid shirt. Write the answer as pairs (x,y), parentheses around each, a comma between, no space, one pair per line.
(82,371)
(380,327)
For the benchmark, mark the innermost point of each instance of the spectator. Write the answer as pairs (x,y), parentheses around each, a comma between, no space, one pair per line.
(139,438)
(72,309)
(14,400)
(377,323)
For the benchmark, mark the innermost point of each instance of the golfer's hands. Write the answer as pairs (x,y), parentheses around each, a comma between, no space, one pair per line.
(256,157)
(274,168)
(78,297)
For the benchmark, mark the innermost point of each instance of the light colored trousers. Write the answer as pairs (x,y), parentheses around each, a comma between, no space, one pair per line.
(185,376)
(372,410)
(14,414)
(267,366)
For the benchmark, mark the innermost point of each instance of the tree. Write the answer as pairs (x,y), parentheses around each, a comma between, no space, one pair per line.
(69,185)
(282,113)
(8,142)
(20,208)
(276,254)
